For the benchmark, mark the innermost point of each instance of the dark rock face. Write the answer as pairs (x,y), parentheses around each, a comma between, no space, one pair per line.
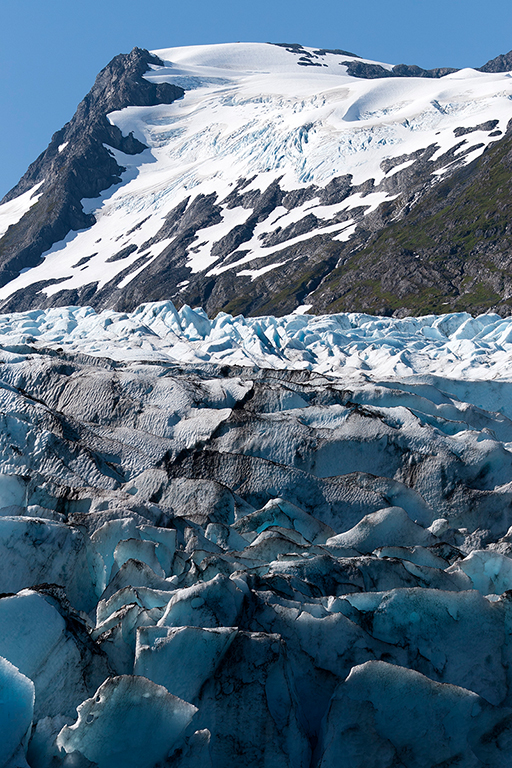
(84,167)
(373,71)
(304,54)
(502,63)
(411,70)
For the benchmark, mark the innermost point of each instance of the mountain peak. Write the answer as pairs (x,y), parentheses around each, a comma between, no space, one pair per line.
(502,63)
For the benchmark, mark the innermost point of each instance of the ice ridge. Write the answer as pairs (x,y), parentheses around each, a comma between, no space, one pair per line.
(454,345)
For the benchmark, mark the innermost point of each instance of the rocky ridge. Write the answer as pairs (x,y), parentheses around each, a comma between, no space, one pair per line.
(78,163)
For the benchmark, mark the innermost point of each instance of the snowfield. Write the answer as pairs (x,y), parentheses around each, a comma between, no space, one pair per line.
(212,530)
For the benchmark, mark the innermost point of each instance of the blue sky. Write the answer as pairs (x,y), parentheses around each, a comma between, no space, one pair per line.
(50,52)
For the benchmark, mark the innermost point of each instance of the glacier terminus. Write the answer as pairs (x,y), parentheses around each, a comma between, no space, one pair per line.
(217,529)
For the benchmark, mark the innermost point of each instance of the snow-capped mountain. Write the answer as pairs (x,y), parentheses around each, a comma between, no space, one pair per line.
(259,541)
(259,177)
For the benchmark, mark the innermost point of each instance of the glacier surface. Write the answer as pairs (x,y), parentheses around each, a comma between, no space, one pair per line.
(281,542)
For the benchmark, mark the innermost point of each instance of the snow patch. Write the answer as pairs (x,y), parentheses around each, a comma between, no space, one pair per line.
(14,210)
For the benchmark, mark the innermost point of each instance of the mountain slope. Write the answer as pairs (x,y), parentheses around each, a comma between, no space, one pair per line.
(256,178)
(452,251)
(78,163)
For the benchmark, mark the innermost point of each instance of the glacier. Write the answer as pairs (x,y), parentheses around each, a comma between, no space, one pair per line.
(255,541)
